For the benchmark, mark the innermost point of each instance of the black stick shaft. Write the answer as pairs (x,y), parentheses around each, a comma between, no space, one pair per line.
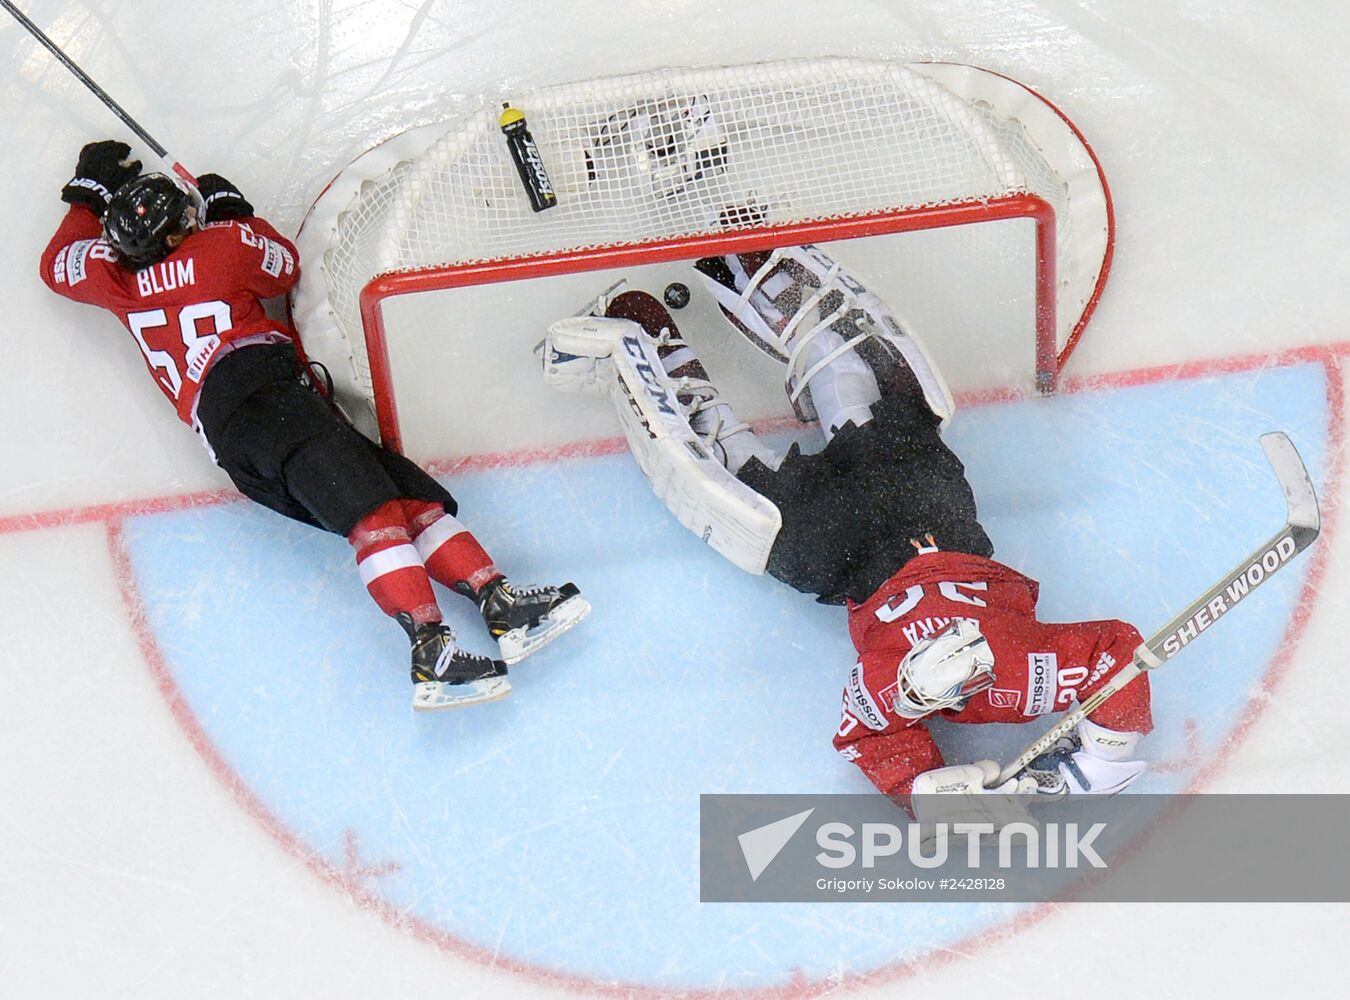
(94,88)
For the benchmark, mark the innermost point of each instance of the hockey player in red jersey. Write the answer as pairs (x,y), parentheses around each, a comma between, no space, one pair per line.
(882,520)
(955,635)
(187,274)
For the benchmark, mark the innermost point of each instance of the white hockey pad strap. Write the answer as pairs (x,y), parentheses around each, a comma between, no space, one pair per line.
(704,497)
(737,305)
(935,389)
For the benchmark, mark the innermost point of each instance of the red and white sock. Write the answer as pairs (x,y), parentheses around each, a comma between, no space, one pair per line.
(450,553)
(390,566)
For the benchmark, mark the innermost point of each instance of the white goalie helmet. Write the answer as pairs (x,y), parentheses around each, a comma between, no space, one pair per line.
(944,671)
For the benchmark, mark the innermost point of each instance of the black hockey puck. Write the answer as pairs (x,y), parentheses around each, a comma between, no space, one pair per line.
(676,295)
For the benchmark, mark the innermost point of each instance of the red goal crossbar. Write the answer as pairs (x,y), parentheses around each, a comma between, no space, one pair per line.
(1049,360)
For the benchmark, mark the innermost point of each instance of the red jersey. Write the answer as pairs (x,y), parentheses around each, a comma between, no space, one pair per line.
(185,310)
(1038,668)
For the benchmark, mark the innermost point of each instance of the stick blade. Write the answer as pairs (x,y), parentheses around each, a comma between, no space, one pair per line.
(1295,481)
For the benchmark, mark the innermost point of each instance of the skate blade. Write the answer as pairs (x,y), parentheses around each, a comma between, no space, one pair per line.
(520,643)
(437,696)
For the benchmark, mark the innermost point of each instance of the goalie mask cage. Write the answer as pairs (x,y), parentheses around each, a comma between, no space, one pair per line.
(675,164)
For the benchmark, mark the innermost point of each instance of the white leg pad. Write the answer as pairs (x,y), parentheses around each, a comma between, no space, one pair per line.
(935,389)
(769,330)
(707,499)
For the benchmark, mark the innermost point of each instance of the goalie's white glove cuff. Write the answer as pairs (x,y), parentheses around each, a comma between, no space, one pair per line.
(967,793)
(576,353)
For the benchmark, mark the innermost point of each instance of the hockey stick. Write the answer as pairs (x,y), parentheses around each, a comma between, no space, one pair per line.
(170,164)
(1298,533)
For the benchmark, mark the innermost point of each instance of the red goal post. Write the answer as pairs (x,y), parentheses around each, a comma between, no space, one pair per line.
(679,163)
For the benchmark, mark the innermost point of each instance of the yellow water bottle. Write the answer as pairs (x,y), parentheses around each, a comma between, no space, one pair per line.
(525,154)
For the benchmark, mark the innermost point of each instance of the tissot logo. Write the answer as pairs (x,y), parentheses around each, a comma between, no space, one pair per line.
(859,701)
(1042,682)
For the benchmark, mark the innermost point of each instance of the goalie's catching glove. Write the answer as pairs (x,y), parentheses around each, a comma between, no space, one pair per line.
(102,168)
(222,199)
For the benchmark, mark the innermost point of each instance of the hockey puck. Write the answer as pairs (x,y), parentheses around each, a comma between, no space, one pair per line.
(676,295)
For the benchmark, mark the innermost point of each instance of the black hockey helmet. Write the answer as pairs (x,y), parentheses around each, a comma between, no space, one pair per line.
(143,214)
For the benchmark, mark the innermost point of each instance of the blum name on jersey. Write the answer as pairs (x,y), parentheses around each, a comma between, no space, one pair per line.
(1039,668)
(166,276)
(187,309)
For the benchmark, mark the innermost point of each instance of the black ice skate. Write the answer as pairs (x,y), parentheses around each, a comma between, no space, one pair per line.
(445,676)
(522,619)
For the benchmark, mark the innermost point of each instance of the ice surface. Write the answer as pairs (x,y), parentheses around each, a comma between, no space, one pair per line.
(212,782)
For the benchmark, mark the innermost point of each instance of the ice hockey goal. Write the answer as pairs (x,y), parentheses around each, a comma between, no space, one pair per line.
(678,163)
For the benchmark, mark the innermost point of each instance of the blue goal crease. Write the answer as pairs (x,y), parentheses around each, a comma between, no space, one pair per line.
(559,827)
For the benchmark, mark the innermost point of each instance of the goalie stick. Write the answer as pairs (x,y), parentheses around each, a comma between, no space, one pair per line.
(1300,530)
(169,162)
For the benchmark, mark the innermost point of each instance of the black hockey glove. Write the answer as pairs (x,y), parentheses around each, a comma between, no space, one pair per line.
(101,170)
(223,200)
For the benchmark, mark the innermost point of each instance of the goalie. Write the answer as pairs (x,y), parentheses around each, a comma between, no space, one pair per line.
(881,520)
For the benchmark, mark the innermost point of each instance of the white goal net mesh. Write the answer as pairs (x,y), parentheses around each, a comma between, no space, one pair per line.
(675,153)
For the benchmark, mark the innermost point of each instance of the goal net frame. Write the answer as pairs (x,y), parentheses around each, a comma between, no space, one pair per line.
(338,307)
